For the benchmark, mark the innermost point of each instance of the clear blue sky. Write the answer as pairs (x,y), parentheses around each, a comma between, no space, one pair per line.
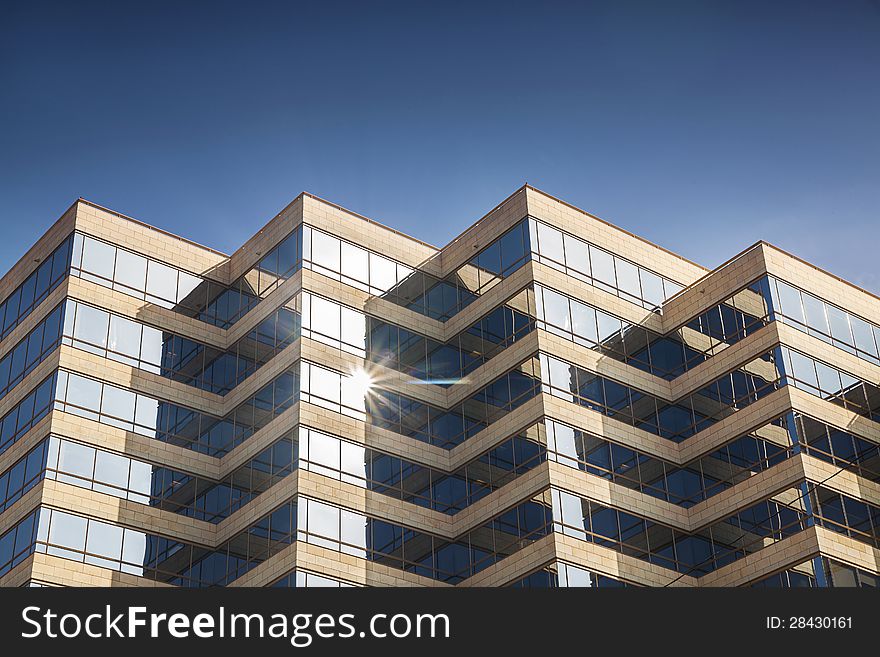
(703,126)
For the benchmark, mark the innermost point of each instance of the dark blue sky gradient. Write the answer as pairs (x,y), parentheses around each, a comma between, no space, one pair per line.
(702,126)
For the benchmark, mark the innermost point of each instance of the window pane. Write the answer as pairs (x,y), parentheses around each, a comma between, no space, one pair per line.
(354,532)
(839,322)
(146,412)
(628,278)
(324,450)
(104,542)
(134,550)
(670,289)
(802,368)
(151,345)
(83,392)
(76,459)
(550,243)
(603,266)
(324,383)
(584,322)
(577,254)
(354,329)
(131,270)
(118,403)
(98,258)
(162,281)
(186,283)
(353,393)
(91,325)
(383,272)
(790,300)
(863,335)
(141,478)
(111,469)
(324,317)
(829,378)
(559,374)
(652,287)
(67,531)
(563,441)
(815,314)
(575,577)
(355,263)
(325,250)
(556,309)
(125,336)
(353,460)
(609,326)
(323,520)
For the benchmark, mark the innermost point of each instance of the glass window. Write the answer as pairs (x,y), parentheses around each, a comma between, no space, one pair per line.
(323,450)
(628,278)
(111,469)
(125,336)
(383,273)
(355,263)
(511,248)
(324,317)
(652,287)
(841,576)
(151,346)
(131,270)
(325,250)
(403,271)
(186,284)
(802,368)
(550,243)
(561,439)
(829,378)
(556,309)
(162,282)
(568,510)
(98,258)
(91,326)
(584,322)
(670,288)
(572,577)
(146,412)
(790,302)
(118,403)
(353,392)
(353,462)
(353,533)
(814,311)
(76,459)
(556,372)
(60,262)
(104,544)
(141,481)
(609,327)
(839,322)
(354,328)
(67,531)
(323,520)
(83,392)
(324,384)
(603,266)
(577,255)
(863,335)
(134,551)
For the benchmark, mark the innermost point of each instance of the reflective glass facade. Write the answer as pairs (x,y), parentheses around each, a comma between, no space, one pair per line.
(337,404)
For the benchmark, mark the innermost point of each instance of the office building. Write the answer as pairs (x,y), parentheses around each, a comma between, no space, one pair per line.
(548,400)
